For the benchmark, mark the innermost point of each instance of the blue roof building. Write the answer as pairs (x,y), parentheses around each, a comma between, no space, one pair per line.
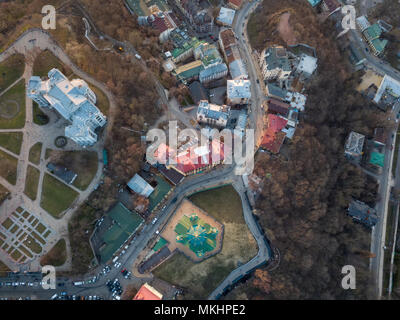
(73,100)
(214,72)
(314,3)
(213,114)
(140,186)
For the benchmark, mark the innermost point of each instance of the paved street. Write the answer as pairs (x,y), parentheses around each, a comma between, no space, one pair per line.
(385,180)
(257,91)
(219,176)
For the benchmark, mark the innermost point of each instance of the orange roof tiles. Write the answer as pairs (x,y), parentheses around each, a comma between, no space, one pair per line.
(147,292)
(273,136)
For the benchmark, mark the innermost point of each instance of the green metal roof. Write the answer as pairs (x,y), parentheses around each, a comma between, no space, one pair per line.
(160,191)
(379,44)
(377,159)
(192,43)
(314,2)
(189,73)
(125,224)
(373,32)
(160,243)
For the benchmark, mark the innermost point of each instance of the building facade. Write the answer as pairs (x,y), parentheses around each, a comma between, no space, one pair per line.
(73,100)
(275,64)
(213,114)
(238,91)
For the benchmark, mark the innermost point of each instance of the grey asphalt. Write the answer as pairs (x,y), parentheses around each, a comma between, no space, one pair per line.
(385,180)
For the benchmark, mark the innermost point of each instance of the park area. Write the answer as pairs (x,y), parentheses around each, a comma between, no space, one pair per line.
(11,141)
(8,168)
(34,153)
(56,256)
(23,235)
(3,269)
(11,70)
(32,182)
(46,61)
(12,107)
(238,246)
(56,196)
(83,163)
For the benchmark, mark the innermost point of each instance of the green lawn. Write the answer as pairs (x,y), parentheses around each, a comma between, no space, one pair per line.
(7,223)
(39,117)
(83,163)
(102,100)
(48,153)
(32,182)
(15,94)
(12,141)
(34,153)
(8,168)
(56,196)
(46,61)
(32,244)
(3,269)
(3,193)
(56,256)
(239,246)
(10,70)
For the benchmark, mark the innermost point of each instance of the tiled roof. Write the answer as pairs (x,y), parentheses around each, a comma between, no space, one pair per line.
(236,3)
(278,107)
(273,135)
(194,158)
(146,292)
(355,143)
(362,213)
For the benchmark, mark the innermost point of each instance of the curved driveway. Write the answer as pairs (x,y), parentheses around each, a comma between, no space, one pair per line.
(30,44)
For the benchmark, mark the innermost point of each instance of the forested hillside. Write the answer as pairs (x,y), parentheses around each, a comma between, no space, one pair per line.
(303,203)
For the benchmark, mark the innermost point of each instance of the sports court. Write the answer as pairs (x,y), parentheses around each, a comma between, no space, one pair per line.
(123,224)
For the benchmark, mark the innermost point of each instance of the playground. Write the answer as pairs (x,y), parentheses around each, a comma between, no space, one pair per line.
(200,278)
(193,232)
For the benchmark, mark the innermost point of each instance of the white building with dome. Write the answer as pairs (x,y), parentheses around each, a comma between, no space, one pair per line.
(73,100)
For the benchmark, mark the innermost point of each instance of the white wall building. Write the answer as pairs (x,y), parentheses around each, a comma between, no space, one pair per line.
(307,65)
(238,91)
(275,64)
(73,100)
(226,16)
(213,114)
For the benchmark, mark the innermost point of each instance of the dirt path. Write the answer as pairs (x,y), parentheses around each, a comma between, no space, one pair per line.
(285,30)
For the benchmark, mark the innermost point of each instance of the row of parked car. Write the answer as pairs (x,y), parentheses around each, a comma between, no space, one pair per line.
(64,296)
(19,284)
(115,288)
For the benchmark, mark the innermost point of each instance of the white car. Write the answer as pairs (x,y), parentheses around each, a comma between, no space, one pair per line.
(154,221)
(157,232)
